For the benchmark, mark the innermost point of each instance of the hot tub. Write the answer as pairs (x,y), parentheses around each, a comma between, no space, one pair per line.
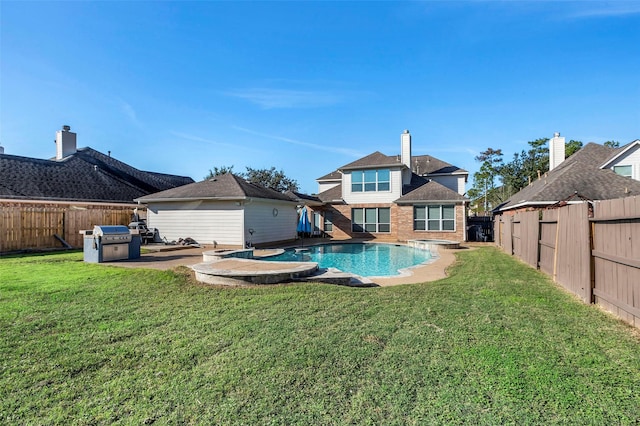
(427,244)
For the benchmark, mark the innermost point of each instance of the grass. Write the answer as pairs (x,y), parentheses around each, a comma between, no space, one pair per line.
(495,342)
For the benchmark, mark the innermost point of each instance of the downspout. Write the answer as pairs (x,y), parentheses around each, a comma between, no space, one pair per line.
(464,221)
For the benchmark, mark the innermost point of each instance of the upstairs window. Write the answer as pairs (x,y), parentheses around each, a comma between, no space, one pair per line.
(370,180)
(623,170)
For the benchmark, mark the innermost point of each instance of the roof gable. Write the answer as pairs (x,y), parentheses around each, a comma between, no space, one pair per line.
(376,159)
(623,150)
(425,190)
(226,187)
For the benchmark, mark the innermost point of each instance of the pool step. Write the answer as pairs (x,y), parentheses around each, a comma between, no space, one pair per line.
(337,277)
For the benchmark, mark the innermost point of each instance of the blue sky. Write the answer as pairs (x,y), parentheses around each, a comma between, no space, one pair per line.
(181,87)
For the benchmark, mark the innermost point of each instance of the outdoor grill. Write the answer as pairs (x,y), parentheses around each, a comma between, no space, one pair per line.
(107,243)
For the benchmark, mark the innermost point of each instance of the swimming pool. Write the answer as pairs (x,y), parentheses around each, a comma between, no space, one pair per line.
(366,260)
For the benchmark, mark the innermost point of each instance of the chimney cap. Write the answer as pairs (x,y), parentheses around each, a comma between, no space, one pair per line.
(556,135)
(66,128)
(405,131)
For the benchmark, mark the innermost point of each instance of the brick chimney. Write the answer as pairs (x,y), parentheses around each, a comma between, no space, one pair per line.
(65,143)
(556,151)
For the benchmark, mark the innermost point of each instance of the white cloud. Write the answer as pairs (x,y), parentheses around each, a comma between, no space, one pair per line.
(202,140)
(129,112)
(283,98)
(344,151)
(597,10)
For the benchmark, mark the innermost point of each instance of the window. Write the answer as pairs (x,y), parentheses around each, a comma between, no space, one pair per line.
(371,220)
(623,170)
(328,221)
(434,218)
(370,180)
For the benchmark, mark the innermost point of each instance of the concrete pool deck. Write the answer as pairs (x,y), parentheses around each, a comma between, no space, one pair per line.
(169,257)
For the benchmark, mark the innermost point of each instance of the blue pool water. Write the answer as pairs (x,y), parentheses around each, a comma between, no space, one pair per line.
(367,260)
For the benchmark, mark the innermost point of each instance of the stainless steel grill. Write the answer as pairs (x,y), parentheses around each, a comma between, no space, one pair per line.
(112,234)
(111,242)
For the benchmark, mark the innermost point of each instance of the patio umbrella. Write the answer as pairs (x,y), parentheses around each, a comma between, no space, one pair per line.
(304,225)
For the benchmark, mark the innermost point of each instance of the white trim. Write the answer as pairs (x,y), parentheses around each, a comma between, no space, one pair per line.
(621,153)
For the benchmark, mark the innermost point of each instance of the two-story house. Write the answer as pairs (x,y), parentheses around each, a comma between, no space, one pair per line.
(393,198)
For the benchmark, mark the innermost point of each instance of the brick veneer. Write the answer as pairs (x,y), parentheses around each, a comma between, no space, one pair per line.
(401,224)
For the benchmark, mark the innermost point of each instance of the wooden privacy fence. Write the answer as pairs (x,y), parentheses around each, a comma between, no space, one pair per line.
(597,258)
(29,226)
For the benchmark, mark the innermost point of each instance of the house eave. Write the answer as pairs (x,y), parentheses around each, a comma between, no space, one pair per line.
(374,166)
(536,204)
(181,199)
(431,201)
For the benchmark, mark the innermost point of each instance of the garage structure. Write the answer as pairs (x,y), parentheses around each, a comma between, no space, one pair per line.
(224,211)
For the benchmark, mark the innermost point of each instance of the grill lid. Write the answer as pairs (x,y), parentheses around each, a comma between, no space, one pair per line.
(106,230)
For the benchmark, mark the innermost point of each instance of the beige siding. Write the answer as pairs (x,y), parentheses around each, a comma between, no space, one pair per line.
(373,197)
(327,186)
(631,158)
(267,227)
(454,183)
(204,221)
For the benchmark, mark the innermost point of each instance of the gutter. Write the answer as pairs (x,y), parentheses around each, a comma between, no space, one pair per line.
(538,203)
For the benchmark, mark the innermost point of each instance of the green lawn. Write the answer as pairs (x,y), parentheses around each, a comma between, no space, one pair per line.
(496,342)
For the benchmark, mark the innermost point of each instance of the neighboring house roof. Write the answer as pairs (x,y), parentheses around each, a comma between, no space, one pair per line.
(580,175)
(299,197)
(428,165)
(87,175)
(425,190)
(333,176)
(331,195)
(377,159)
(620,152)
(221,187)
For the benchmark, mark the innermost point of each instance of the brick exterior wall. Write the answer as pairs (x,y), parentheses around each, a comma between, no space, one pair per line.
(406,232)
(401,224)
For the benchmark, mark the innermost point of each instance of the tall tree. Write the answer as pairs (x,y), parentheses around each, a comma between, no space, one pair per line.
(612,144)
(271,178)
(572,147)
(484,180)
(216,171)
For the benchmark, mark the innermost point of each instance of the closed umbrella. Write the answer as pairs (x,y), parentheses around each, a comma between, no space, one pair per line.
(304,225)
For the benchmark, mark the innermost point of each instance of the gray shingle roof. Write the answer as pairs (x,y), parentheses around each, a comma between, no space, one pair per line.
(426,164)
(579,174)
(335,175)
(377,159)
(87,175)
(299,197)
(424,190)
(227,186)
(331,195)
